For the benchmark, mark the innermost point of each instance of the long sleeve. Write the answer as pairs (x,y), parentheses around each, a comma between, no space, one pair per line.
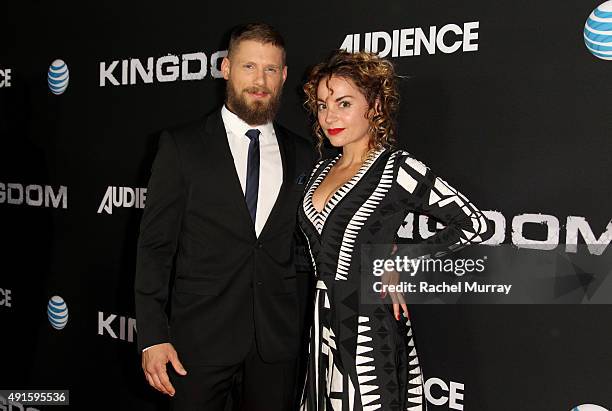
(157,243)
(424,192)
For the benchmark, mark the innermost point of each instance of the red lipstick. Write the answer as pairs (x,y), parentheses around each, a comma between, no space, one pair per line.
(334,131)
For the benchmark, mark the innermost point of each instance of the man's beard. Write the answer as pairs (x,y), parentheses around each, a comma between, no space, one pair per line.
(256,113)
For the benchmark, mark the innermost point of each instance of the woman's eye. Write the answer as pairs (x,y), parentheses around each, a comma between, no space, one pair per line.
(345,104)
(248,66)
(321,106)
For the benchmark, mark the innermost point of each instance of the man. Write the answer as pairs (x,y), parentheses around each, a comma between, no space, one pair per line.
(221,211)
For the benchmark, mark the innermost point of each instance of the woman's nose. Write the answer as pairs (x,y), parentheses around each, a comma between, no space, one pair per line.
(330,116)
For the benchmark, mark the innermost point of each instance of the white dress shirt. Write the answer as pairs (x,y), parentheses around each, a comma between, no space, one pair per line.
(270,164)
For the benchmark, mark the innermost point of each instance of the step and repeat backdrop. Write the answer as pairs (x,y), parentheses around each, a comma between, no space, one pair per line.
(510,102)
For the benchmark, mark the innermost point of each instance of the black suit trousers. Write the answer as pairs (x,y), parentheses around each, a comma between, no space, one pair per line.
(252,385)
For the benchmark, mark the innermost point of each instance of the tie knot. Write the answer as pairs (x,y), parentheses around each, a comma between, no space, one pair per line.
(253,134)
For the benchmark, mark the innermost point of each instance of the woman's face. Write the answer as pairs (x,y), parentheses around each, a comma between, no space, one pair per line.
(342,112)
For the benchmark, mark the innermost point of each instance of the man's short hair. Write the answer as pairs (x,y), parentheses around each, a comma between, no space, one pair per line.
(260,32)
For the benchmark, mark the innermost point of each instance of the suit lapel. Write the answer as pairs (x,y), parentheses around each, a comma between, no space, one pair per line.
(215,139)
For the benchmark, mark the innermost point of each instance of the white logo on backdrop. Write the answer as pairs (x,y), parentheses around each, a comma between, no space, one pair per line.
(34,195)
(5,297)
(125,197)
(407,42)
(5,78)
(190,66)
(451,393)
(123,329)
(575,227)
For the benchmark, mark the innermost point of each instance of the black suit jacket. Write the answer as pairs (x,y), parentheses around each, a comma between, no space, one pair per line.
(229,287)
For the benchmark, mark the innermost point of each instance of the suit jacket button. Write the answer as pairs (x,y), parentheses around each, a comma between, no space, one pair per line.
(259,283)
(259,245)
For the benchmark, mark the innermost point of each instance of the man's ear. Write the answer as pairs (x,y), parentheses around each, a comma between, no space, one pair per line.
(284,73)
(225,68)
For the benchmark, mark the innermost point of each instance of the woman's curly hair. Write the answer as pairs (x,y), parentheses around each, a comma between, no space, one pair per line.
(374,77)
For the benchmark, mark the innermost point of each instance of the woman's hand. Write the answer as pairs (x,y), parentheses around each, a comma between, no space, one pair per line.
(397,298)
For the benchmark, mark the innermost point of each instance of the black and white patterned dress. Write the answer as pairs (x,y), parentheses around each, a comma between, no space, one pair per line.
(360,357)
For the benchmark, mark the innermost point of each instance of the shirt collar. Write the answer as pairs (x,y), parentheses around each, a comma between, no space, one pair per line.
(238,127)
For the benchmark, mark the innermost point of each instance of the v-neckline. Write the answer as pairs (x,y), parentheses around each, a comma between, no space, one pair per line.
(319,218)
(324,174)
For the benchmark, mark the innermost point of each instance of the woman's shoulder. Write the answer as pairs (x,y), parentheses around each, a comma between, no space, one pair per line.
(403,158)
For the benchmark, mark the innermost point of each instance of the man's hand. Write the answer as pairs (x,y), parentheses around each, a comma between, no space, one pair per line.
(154,360)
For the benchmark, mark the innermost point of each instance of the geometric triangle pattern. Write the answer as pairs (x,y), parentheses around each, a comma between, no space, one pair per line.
(414,389)
(442,200)
(360,217)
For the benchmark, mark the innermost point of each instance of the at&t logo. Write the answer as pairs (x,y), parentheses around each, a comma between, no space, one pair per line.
(598,31)
(58,77)
(57,311)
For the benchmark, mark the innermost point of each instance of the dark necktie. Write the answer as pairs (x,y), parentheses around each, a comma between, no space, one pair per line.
(252,180)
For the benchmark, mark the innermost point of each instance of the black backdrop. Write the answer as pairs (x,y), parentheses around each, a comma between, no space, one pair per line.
(522,125)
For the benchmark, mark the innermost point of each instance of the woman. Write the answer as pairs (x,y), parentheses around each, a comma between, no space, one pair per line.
(362,357)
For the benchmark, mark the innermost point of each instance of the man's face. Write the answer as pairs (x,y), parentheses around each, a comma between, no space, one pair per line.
(255,74)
